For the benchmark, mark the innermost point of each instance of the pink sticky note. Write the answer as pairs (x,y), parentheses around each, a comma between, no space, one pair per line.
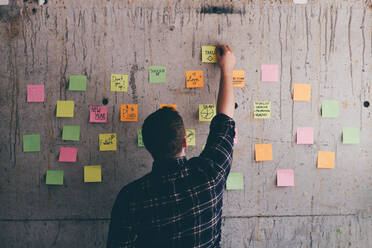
(98,114)
(67,154)
(236,137)
(35,93)
(269,73)
(305,135)
(284,178)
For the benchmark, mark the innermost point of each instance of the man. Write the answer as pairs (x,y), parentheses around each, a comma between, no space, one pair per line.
(179,203)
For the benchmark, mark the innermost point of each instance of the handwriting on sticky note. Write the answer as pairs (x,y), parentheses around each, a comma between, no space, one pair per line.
(98,114)
(65,108)
(71,132)
(209,54)
(263,152)
(351,135)
(235,181)
(78,83)
(285,178)
(326,160)
(35,93)
(129,112)
(157,74)
(31,143)
(262,110)
(238,78)
(67,154)
(139,138)
(207,112)
(194,79)
(330,109)
(301,92)
(107,142)
(119,82)
(54,177)
(173,106)
(92,174)
(305,135)
(190,136)
(269,73)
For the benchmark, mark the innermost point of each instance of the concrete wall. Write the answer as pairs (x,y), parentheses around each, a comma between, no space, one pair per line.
(325,43)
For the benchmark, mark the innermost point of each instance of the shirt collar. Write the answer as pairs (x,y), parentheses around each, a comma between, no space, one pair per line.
(166,166)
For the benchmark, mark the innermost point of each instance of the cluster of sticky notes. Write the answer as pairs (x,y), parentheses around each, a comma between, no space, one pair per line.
(235,181)
(285,178)
(92,174)
(98,114)
(65,108)
(209,54)
(269,73)
(129,112)
(78,83)
(107,142)
(350,135)
(157,74)
(35,93)
(238,78)
(139,138)
(263,152)
(207,112)
(54,177)
(71,132)
(305,135)
(302,92)
(31,143)
(190,137)
(119,82)
(262,110)
(194,79)
(173,106)
(326,160)
(68,154)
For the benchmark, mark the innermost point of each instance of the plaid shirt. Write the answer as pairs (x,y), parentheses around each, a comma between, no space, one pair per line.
(179,203)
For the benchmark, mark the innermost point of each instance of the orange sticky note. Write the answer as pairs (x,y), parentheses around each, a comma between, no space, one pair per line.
(173,106)
(263,152)
(129,112)
(302,92)
(326,160)
(238,78)
(194,79)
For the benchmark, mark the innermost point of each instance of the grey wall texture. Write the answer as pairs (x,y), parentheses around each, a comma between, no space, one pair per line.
(324,43)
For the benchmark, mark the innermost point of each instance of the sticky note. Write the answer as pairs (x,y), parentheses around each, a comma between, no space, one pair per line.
(238,78)
(157,74)
(263,152)
(54,177)
(262,110)
(78,83)
(107,142)
(119,82)
(139,138)
(194,79)
(129,112)
(98,114)
(35,93)
(284,178)
(301,92)
(4,2)
(174,106)
(67,154)
(269,73)
(350,135)
(305,135)
(65,108)
(235,181)
(71,133)
(326,160)
(330,109)
(300,1)
(207,112)
(31,143)
(209,54)
(92,174)
(236,137)
(190,136)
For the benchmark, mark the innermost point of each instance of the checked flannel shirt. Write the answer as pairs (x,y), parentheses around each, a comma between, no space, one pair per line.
(179,203)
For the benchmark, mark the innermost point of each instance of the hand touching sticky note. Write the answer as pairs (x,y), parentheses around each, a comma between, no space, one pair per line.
(301,92)
(326,160)
(238,78)
(284,178)
(207,112)
(119,82)
(305,135)
(173,106)
(98,114)
(129,112)
(209,54)
(262,110)
(269,73)
(31,143)
(263,152)
(78,83)
(92,174)
(67,154)
(350,135)
(107,142)
(330,109)
(235,181)
(65,108)
(35,93)
(194,79)
(157,74)
(190,136)
(54,177)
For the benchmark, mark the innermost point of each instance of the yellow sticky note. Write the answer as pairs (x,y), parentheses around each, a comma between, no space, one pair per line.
(207,112)
(194,79)
(173,106)
(326,160)
(129,112)
(209,54)
(263,152)
(262,110)
(65,108)
(107,142)
(190,136)
(119,82)
(92,174)
(301,92)
(238,78)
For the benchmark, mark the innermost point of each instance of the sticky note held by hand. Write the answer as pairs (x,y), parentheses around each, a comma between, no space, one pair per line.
(235,181)
(190,136)
(238,78)
(107,142)
(35,93)
(98,114)
(194,79)
(65,108)
(301,92)
(92,174)
(67,154)
(263,152)
(157,74)
(305,135)
(31,143)
(350,135)
(207,112)
(119,82)
(269,73)
(54,177)
(326,160)
(129,112)
(209,54)
(285,178)
(71,132)
(330,109)
(78,83)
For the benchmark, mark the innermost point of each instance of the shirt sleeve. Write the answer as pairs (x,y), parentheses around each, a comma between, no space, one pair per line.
(219,146)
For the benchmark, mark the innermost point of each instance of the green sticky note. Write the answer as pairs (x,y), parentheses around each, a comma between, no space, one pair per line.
(31,143)
(157,74)
(54,177)
(78,83)
(190,136)
(350,135)
(329,109)
(235,181)
(71,133)
(139,138)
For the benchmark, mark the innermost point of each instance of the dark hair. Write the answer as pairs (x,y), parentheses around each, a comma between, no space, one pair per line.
(163,133)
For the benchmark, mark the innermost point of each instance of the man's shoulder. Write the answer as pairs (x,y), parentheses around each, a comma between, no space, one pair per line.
(136,187)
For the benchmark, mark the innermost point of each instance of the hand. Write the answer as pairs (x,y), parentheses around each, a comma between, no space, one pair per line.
(225,58)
